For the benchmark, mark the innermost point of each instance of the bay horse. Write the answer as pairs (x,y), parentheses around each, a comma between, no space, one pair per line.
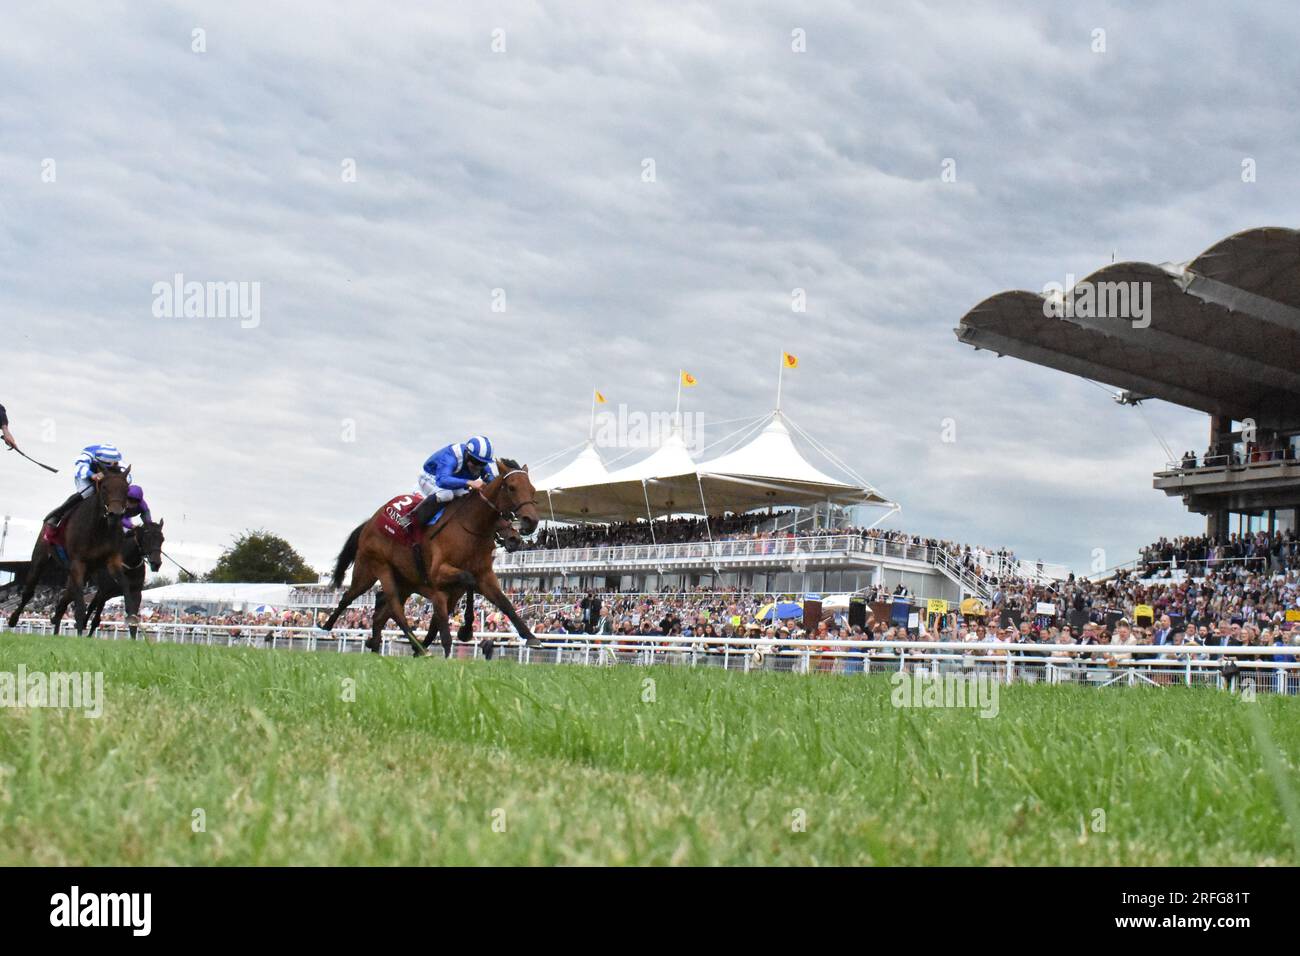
(142,546)
(456,551)
(508,537)
(92,539)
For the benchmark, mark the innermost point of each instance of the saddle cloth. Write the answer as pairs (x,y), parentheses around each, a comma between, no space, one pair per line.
(395,516)
(55,537)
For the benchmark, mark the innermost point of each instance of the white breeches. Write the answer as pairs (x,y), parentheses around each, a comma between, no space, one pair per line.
(429,488)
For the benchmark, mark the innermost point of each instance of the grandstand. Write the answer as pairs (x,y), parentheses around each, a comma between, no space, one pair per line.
(793,519)
(1219,334)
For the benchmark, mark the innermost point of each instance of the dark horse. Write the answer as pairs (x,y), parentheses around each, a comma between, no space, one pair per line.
(457,552)
(508,537)
(92,539)
(142,546)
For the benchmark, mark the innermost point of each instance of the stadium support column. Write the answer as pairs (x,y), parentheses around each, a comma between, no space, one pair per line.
(1216,521)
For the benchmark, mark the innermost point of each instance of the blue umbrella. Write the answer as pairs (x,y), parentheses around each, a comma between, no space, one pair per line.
(785,610)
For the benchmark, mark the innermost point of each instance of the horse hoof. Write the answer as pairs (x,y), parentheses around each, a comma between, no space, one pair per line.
(488,648)
(533,642)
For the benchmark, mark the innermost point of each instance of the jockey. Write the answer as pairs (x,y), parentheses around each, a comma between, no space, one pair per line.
(136,506)
(89,467)
(453,471)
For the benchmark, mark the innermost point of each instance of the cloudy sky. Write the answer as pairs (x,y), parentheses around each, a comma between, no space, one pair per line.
(128,156)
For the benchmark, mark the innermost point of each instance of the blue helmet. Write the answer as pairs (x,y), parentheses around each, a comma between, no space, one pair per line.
(105,454)
(479,448)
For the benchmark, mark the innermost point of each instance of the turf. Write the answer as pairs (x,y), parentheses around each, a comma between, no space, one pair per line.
(462,762)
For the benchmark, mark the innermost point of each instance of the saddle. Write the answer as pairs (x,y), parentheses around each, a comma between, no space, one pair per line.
(395,518)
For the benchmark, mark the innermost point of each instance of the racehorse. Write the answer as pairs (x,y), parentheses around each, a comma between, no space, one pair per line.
(92,539)
(456,551)
(508,537)
(142,546)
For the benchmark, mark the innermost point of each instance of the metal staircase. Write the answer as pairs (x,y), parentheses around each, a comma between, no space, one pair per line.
(952,567)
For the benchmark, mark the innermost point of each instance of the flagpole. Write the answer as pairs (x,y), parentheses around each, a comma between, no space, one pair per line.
(677,415)
(591,432)
(780,373)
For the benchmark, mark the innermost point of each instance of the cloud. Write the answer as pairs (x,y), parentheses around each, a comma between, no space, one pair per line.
(522,171)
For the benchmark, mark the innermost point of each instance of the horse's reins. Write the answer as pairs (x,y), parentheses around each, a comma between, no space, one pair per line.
(501,512)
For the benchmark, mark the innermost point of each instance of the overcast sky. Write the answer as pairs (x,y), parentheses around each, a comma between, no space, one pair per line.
(524,170)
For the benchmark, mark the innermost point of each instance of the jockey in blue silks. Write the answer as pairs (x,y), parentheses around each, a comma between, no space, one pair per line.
(453,471)
(90,465)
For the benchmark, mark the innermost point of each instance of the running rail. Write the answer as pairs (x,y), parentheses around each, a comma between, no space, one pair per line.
(1089,664)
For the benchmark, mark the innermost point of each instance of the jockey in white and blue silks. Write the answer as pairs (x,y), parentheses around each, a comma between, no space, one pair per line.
(93,461)
(451,472)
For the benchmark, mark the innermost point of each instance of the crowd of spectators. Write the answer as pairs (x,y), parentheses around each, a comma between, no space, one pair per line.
(730,527)
(1194,555)
(663,531)
(1269,449)
(1189,590)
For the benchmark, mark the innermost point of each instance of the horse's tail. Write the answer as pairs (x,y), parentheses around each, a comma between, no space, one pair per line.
(348,554)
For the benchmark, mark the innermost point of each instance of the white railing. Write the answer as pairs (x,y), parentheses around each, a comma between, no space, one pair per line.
(322,595)
(957,569)
(1235,461)
(737,549)
(1235,669)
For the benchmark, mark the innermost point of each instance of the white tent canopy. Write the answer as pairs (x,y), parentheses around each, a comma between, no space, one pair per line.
(663,483)
(238,596)
(766,471)
(771,462)
(586,469)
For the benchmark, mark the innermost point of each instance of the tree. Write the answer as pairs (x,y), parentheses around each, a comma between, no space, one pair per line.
(259,557)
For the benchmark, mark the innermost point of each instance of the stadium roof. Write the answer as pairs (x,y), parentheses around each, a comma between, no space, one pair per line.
(1223,334)
(766,470)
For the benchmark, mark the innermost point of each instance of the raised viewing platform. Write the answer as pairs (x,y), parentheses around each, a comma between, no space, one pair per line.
(798,554)
(1254,486)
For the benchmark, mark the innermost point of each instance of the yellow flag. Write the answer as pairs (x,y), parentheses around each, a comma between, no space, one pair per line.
(600,399)
(688,379)
(791,361)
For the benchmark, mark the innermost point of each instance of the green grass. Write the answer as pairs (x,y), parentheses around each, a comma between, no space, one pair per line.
(712,771)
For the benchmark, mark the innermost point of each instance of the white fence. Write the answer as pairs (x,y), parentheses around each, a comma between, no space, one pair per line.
(740,549)
(1237,669)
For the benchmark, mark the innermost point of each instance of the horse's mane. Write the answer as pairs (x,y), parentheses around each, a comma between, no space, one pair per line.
(509,464)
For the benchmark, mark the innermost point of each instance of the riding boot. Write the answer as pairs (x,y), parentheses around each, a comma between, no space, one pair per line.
(425,510)
(54,517)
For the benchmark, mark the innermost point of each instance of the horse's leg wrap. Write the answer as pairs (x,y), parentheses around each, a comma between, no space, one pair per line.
(465,633)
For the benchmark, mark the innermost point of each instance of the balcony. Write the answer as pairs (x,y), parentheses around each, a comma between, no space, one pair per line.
(1221,485)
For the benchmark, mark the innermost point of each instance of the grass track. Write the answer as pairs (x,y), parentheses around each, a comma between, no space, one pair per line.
(582,770)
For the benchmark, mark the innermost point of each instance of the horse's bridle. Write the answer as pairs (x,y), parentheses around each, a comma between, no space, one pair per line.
(144,555)
(502,512)
(103,502)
